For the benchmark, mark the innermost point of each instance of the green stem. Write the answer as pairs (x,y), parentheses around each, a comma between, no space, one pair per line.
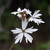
(11,46)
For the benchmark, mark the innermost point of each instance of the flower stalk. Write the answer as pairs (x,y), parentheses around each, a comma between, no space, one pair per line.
(12,46)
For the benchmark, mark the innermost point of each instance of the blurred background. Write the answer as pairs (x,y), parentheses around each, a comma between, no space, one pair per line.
(8,22)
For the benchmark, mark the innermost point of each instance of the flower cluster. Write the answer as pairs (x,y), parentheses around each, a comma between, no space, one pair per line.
(26,16)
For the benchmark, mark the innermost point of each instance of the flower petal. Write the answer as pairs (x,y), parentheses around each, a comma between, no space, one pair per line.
(17,30)
(30,30)
(24,10)
(38,21)
(19,37)
(17,40)
(26,40)
(36,14)
(19,15)
(14,13)
(28,37)
(24,24)
(29,12)
(19,9)
(36,11)
(30,19)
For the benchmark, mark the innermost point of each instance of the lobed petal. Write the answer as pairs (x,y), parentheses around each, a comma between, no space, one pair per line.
(31,30)
(36,11)
(24,10)
(29,12)
(24,24)
(30,19)
(38,21)
(19,9)
(28,38)
(36,15)
(18,38)
(14,13)
(19,15)
(16,31)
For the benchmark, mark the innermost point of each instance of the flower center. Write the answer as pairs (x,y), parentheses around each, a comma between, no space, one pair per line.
(23,31)
(19,12)
(24,12)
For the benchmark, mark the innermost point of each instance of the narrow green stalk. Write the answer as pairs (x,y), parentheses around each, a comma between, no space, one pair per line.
(12,46)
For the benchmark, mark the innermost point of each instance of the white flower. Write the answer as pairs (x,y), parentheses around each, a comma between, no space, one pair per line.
(27,11)
(24,32)
(18,10)
(36,17)
(22,13)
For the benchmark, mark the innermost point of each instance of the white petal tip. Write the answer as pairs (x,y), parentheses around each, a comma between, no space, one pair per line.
(38,10)
(15,42)
(36,29)
(30,41)
(11,30)
(32,27)
(14,13)
(43,22)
